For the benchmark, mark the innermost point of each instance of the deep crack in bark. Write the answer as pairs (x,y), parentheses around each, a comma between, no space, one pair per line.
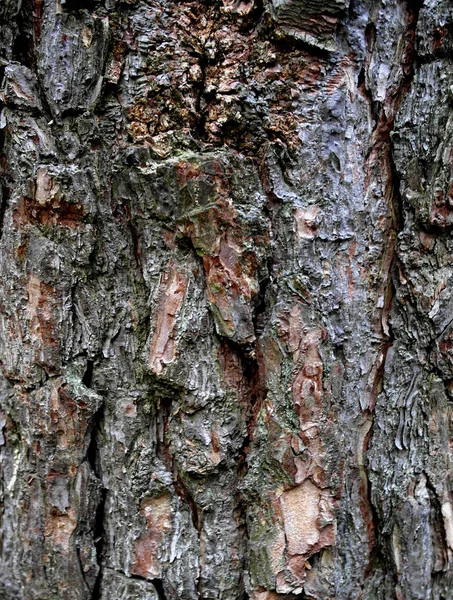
(93,458)
(381,151)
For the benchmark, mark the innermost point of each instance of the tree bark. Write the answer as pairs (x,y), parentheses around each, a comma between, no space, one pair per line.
(226,301)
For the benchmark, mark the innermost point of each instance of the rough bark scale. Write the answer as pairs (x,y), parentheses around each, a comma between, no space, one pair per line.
(226,325)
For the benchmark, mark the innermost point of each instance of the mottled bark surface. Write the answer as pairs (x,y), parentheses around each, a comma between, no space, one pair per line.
(226,301)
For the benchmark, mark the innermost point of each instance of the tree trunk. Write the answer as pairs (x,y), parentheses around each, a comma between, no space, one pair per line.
(226,301)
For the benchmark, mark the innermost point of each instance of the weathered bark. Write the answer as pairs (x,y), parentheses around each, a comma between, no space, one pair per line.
(226,301)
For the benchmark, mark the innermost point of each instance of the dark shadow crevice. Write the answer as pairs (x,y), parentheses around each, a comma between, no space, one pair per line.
(88,375)
(159,586)
(3,207)
(94,460)
(24,44)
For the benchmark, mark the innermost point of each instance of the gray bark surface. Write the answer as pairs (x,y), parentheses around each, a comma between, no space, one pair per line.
(226,300)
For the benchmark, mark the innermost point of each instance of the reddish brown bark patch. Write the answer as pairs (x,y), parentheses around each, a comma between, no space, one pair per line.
(59,529)
(230,263)
(60,213)
(48,207)
(42,311)
(147,549)
(171,296)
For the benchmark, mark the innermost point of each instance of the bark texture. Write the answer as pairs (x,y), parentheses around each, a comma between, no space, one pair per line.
(226,300)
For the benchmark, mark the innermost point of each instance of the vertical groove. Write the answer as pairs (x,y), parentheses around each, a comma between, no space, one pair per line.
(381,153)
